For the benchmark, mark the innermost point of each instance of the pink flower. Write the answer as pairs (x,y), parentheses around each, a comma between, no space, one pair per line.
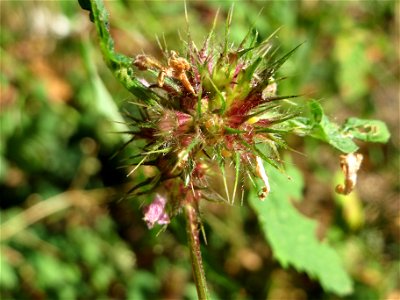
(155,212)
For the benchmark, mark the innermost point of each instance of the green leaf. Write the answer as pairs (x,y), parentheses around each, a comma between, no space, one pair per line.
(320,127)
(292,236)
(367,130)
(316,111)
(328,131)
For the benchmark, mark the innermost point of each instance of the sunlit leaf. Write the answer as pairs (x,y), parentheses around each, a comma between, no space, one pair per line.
(374,131)
(328,131)
(292,236)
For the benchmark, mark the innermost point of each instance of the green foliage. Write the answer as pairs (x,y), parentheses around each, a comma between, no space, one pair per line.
(373,131)
(323,129)
(120,64)
(340,137)
(58,270)
(106,106)
(8,276)
(53,142)
(293,237)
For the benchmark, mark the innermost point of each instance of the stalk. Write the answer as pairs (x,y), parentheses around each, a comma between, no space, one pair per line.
(192,227)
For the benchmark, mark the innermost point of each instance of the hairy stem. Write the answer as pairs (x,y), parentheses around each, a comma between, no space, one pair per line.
(192,226)
(119,64)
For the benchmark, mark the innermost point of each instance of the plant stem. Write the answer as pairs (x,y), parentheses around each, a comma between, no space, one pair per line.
(192,227)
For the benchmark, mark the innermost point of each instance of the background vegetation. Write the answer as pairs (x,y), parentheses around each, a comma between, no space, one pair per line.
(65,234)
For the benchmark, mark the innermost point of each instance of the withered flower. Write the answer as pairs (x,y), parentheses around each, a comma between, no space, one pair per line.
(350,164)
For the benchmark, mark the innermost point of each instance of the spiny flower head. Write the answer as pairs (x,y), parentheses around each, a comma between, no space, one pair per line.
(215,108)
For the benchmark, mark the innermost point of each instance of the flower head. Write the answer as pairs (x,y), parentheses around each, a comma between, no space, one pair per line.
(214,108)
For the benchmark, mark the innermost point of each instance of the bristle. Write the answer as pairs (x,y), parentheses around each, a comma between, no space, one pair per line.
(215,107)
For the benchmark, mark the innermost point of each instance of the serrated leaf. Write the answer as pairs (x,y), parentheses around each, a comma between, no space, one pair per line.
(367,130)
(292,236)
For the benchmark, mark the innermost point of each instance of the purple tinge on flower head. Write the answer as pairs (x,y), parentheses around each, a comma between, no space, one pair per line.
(155,212)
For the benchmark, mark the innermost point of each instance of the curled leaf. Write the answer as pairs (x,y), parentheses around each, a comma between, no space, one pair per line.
(350,165)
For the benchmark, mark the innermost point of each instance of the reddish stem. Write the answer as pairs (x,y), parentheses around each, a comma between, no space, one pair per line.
(192,226)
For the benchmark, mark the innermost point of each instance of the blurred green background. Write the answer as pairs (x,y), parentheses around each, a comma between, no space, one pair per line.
(66,233)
